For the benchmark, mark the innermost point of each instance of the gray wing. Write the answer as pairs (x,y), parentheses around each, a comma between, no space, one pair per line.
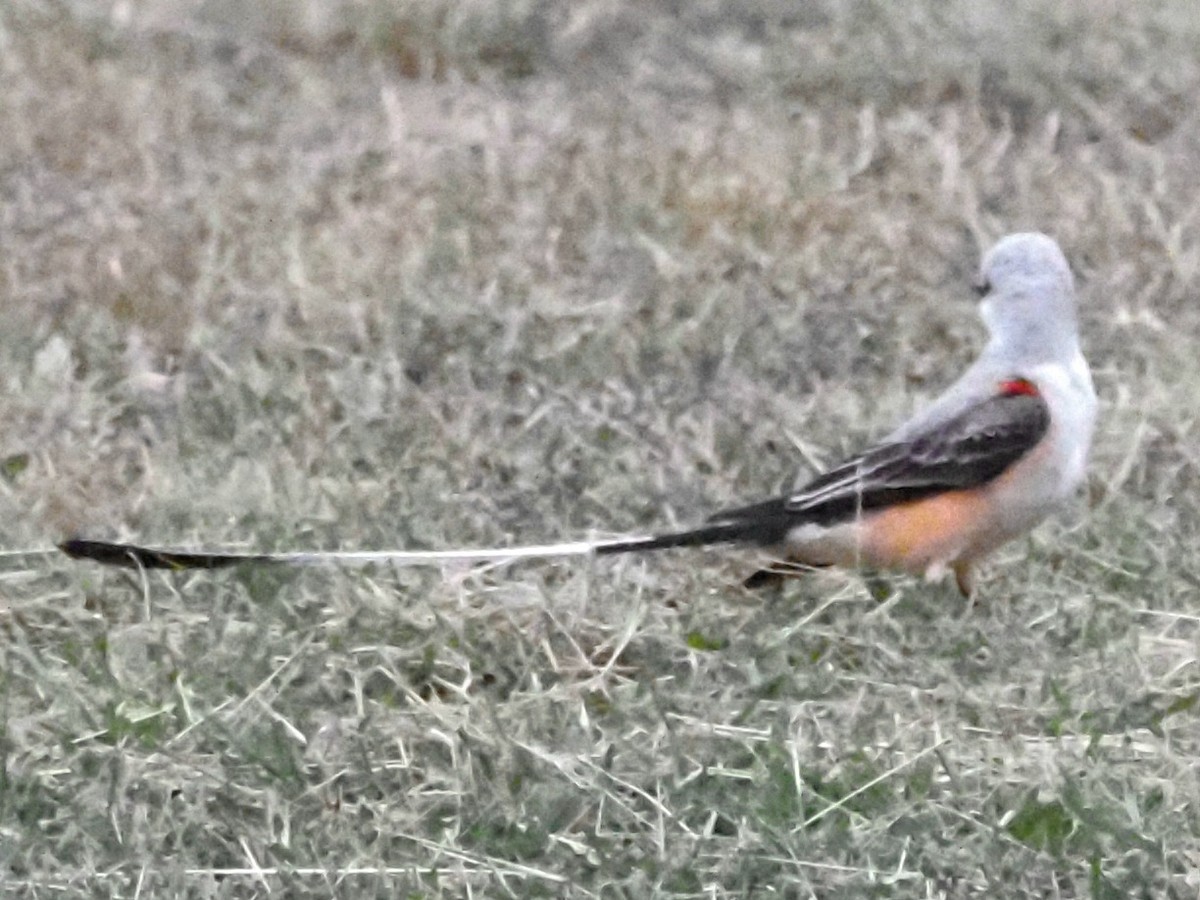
(967,450)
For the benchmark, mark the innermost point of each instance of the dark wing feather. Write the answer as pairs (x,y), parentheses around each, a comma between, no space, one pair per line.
(967,451)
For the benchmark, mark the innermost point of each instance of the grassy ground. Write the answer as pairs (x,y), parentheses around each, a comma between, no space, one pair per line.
(307,274)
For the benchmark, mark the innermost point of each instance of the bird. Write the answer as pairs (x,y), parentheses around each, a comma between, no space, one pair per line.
(994,455)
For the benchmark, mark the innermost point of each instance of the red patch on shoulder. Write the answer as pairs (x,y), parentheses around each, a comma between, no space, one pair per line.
(1018,387)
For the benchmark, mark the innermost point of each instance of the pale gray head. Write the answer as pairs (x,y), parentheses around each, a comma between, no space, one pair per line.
(1028,300)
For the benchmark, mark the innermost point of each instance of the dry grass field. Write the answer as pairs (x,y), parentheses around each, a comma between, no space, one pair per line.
(318,274)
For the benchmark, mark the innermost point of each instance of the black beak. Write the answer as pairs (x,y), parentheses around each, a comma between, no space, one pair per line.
(982,287)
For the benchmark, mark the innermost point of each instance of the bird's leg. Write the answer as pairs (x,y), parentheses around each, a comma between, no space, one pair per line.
(964,577)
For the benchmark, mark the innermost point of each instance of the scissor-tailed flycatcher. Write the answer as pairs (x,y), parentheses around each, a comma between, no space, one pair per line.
(984,463)
(988,460)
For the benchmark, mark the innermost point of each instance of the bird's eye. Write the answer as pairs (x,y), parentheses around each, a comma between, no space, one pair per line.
(982,287)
